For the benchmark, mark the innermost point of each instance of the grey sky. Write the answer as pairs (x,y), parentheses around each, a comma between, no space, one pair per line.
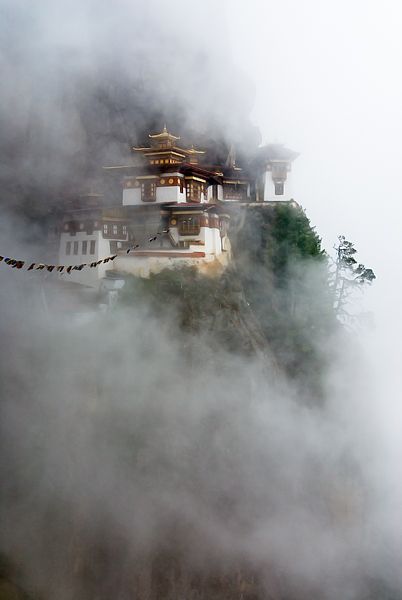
(328,84)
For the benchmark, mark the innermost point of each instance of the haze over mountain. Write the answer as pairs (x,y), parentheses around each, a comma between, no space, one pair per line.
(176,447)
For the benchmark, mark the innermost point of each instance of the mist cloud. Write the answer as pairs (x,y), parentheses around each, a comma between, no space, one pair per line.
(119,452)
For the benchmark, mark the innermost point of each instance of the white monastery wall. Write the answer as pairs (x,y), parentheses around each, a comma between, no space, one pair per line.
(169,194)
(269,189)
(212,240)
(132,196)
(210,192)
(87,276)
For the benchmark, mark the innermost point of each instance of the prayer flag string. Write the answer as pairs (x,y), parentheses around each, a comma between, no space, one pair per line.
(19,264)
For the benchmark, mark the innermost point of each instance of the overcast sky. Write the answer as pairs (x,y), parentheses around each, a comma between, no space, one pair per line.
(326,79)
(328,84)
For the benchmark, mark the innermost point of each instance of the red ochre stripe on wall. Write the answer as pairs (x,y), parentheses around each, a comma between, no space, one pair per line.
(143,253)
(159,181)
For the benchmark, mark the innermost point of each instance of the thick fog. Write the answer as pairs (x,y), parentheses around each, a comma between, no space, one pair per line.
(117,448)
(327,84)
(111,440)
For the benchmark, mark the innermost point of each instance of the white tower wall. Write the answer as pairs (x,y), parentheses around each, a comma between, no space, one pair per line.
(88,276)
(269,189)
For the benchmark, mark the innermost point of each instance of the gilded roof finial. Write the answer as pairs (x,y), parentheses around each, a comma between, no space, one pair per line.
(163,135)
(193,150)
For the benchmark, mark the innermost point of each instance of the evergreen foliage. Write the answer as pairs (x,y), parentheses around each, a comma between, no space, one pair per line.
(195,304)
(283,270)
(348,275)
(273,299)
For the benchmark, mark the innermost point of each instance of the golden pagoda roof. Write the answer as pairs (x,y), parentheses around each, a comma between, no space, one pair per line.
(192,150)
(163,135)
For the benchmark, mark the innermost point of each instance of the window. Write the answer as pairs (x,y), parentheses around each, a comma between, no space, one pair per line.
(92,247)
(68,248)
(105,229)
(279,188)
(115,230)
(234,191)
(148,191)
(124,230)
(194,189)
(214,192)
(189,225)
(84,247)
(75,250)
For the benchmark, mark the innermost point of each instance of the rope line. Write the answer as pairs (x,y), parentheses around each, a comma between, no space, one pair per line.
(39,266)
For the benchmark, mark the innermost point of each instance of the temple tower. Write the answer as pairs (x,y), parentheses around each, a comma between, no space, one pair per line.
(278,177)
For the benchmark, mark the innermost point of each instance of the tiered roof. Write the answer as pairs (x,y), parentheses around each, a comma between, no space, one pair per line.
(164,151)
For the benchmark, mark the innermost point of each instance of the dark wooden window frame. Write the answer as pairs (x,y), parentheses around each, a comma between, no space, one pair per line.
(190,225)
(279,188)
(148,191)
(194,190)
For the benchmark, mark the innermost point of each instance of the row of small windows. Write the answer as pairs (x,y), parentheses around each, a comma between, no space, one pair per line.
(235,192)
(108,228)
(73,247)
(114,229)
(164,161)
(194,189)
(73,226)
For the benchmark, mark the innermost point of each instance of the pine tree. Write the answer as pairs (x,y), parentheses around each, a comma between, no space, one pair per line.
(348,275)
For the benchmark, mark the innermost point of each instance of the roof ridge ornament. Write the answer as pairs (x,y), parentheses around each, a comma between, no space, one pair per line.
(163,135)
(193,150)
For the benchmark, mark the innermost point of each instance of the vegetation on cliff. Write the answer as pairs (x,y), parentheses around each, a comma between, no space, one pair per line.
(145,435)
(273,300)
